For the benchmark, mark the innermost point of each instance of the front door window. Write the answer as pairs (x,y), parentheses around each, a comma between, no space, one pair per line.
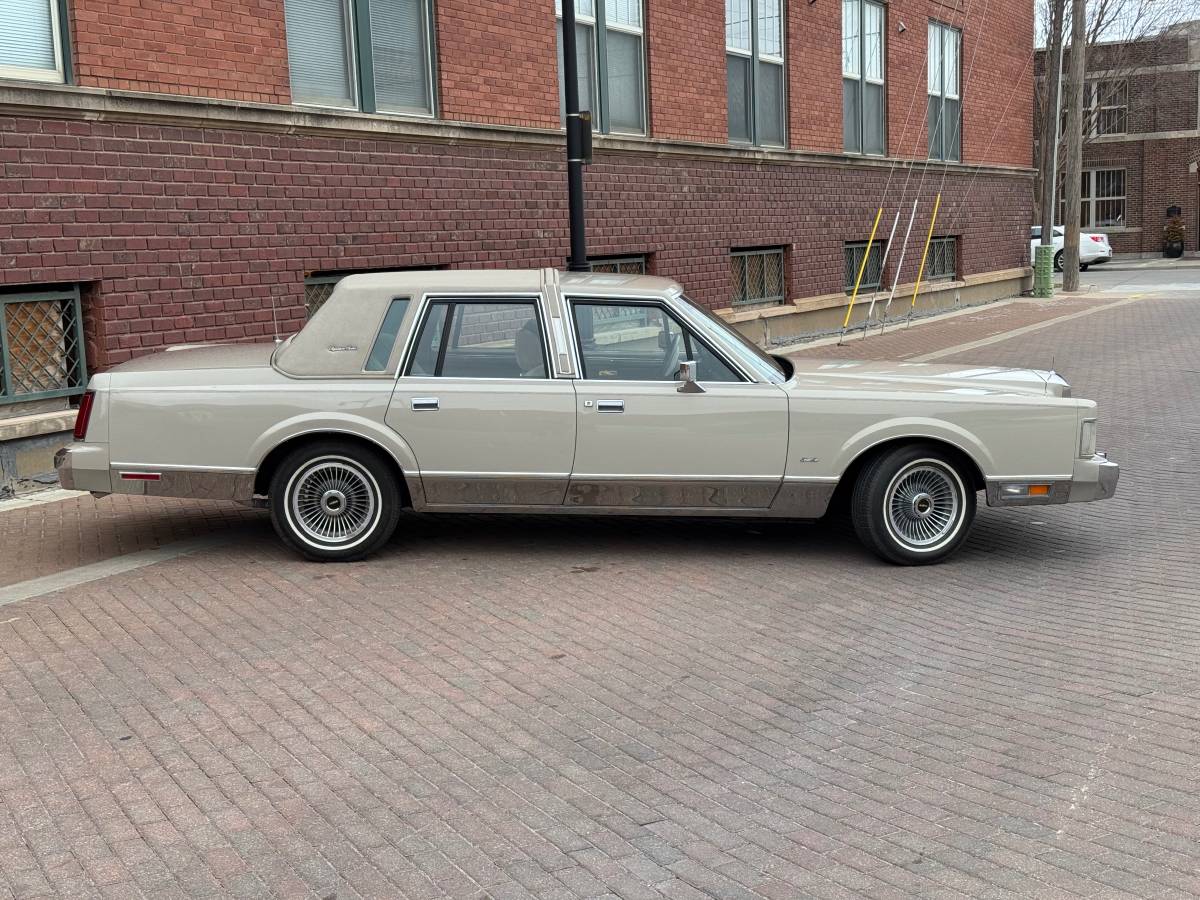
(640,342)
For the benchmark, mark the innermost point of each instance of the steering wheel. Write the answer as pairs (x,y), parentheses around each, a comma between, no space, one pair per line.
(673,357)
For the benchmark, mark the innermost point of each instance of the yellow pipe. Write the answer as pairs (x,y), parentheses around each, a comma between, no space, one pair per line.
(862,267)
(928,239)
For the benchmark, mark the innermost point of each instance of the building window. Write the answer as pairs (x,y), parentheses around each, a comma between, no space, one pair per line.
(1102,199)
(755,71)
(41,344)
(372,55)
(872,276)
(318,289)
(864,108)
(619,265)
(945,94)
(612,64)
(32,40)
(757,276)
(1106,107)
(942,264)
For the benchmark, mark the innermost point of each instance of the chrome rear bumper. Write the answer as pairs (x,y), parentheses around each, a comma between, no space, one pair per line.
(84,467)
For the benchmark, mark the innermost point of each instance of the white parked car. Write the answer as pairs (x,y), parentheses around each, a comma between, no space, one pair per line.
(534,391)
(1093,247)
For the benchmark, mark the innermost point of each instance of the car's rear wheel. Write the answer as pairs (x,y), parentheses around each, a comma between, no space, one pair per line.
(913,505)
(334,501)
(1083,267)
(1058,261)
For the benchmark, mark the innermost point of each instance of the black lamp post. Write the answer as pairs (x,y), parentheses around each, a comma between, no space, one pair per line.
(579,140)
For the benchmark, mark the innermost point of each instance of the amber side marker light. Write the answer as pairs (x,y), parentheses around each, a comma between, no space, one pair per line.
(1025,490)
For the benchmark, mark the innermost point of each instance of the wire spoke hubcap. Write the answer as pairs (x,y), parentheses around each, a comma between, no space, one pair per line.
(333,501)
(923,505)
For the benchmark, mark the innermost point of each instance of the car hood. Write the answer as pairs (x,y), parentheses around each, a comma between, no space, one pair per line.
(925,378)
(202,356)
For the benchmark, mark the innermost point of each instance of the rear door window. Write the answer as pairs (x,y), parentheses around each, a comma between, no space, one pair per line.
(480,339)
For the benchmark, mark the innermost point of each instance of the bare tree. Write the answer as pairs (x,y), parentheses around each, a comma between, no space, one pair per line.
(1121,37)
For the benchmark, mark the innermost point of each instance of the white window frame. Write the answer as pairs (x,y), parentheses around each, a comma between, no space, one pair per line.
(363,73)
(57,75)
(1094,108)
(860,75)
(1089,201)
(755,56)
(942,91)
(598,21)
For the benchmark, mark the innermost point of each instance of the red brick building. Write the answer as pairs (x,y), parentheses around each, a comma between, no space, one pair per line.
(1142,143)
(189,171)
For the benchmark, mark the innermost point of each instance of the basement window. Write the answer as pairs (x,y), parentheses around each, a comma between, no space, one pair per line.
(41,344)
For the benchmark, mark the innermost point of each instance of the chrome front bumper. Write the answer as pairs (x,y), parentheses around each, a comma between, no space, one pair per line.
(1094,479)
(1091,479)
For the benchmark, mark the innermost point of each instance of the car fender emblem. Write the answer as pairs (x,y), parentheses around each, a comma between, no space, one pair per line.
(335,349)
(808,459)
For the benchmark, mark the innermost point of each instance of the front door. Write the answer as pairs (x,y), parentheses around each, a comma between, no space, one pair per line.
(476,403)
(643,443)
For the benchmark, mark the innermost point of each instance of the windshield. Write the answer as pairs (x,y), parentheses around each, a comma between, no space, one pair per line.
(761,355)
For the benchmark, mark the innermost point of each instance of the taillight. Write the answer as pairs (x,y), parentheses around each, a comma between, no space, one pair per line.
(85,413)
(1099,239)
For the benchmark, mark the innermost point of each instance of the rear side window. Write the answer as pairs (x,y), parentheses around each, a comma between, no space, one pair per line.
(385,341)
(473,339)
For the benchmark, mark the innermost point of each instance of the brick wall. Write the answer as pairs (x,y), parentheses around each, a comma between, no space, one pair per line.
(202,48)
(687,71)
(190,233)
(497,62)
(815,75)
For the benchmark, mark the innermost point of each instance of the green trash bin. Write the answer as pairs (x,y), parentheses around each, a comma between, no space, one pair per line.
(1043,270)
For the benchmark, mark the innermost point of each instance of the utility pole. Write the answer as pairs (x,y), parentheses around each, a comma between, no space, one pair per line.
(1043,261)
(578,139)
(1074,174)
(1048,162)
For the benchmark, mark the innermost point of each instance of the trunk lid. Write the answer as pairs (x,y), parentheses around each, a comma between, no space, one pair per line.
(201,356)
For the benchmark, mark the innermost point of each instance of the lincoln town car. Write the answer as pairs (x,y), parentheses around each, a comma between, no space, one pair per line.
(542,392)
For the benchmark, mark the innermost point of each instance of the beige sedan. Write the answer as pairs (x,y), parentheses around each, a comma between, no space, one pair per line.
(535,391)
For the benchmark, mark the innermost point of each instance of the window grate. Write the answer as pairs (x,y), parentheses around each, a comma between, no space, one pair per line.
(619,265)
(318,289)
(943,259)
(757,276)
(872,275)
(41,345)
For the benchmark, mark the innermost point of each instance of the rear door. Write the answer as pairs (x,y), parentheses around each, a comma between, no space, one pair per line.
(477,404)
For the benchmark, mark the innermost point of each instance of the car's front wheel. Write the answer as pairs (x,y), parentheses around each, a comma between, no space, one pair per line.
(334,501)
(913,505)
(1058,261)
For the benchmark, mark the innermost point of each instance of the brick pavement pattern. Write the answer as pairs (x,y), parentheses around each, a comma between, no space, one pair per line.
(926,336)
(562,708)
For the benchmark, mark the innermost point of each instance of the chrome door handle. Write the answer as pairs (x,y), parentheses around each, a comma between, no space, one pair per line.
(610,406)
(425,403)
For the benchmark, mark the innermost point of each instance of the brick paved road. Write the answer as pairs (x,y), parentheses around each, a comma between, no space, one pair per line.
(563,708)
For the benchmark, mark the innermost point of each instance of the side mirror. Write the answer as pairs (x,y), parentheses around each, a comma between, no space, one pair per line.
(687,378)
